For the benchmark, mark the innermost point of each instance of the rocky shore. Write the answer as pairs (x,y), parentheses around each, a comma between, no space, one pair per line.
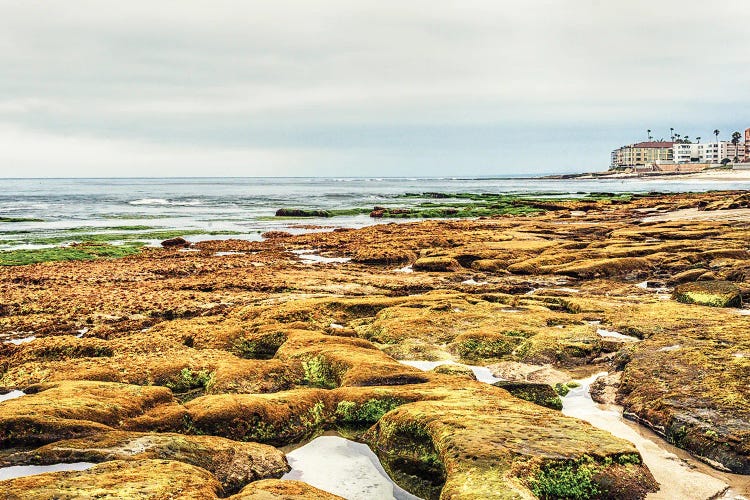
(182,371)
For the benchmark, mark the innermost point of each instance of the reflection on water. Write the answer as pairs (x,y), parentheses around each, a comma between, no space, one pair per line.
(345,468)
(30,470)
(11,395)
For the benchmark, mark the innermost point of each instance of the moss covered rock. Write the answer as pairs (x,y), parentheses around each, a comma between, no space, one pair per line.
(541,394)
(233,463)
(709,293)
(146,479)
(436,264)
(274,489)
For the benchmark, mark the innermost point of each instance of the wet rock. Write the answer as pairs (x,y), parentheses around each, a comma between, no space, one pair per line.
(541,394)
(298,212)
(709,293)
(175,243)
(604,389)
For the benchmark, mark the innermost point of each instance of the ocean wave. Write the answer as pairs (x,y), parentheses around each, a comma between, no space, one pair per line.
(149,201)
(163,202)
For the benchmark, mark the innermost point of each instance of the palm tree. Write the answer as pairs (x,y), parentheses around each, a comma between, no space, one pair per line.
(736,140)
(716,133)
(698,139)
(649,134)
(671,133)
(687,140)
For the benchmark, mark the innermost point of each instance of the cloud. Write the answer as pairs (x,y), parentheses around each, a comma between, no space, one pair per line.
(91,156)
(290,77)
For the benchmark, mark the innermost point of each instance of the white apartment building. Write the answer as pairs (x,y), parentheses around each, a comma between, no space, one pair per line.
(710,152)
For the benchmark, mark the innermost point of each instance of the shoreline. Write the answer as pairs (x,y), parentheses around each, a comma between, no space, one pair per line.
(715,175)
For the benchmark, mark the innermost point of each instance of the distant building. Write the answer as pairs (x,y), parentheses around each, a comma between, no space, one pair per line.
(642,153)
(711,152)
(657,155)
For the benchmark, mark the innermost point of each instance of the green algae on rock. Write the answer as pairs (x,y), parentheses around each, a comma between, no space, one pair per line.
(541,394)
(709,293)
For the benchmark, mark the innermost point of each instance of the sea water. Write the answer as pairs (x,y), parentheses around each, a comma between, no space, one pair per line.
(66,210)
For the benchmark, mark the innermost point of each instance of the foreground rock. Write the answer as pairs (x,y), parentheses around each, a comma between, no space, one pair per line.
(234,464)
(146,479)
(64,410)
(282,490)
(709,293)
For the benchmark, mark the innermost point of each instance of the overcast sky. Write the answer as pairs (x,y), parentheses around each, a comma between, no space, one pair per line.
(324,87)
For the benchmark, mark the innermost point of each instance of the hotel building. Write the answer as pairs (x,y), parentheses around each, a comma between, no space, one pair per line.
(642,153)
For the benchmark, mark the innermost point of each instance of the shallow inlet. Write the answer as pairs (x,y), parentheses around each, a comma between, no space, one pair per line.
(345,468)
(678,474)
(31,470)
(11,395)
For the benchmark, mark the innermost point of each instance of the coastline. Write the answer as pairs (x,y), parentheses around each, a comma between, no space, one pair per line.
(717,175)
(280,340)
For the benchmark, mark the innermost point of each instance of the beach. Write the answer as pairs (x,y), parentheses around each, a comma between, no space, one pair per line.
(153,365)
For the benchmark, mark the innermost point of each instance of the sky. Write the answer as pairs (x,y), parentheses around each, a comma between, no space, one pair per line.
(359,88)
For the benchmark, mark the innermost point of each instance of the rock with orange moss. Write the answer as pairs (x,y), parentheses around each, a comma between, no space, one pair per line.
(146,479)
(234,464)
(489,446)
(436,264)
(272,489)
(64,410)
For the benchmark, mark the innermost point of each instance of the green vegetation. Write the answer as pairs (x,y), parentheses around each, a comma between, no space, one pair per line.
(74,236)
(20,219)
(88,251)
(294,213)
(369,412)
(486,347)
(263,347)
(189,380)
(319,373)
(467,205)
(562,389)
(541,394)
(570,480)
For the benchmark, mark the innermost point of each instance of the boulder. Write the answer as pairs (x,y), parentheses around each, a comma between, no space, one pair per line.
(175,243)
(709,293)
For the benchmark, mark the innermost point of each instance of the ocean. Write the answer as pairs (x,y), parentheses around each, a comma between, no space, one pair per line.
(38,213)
